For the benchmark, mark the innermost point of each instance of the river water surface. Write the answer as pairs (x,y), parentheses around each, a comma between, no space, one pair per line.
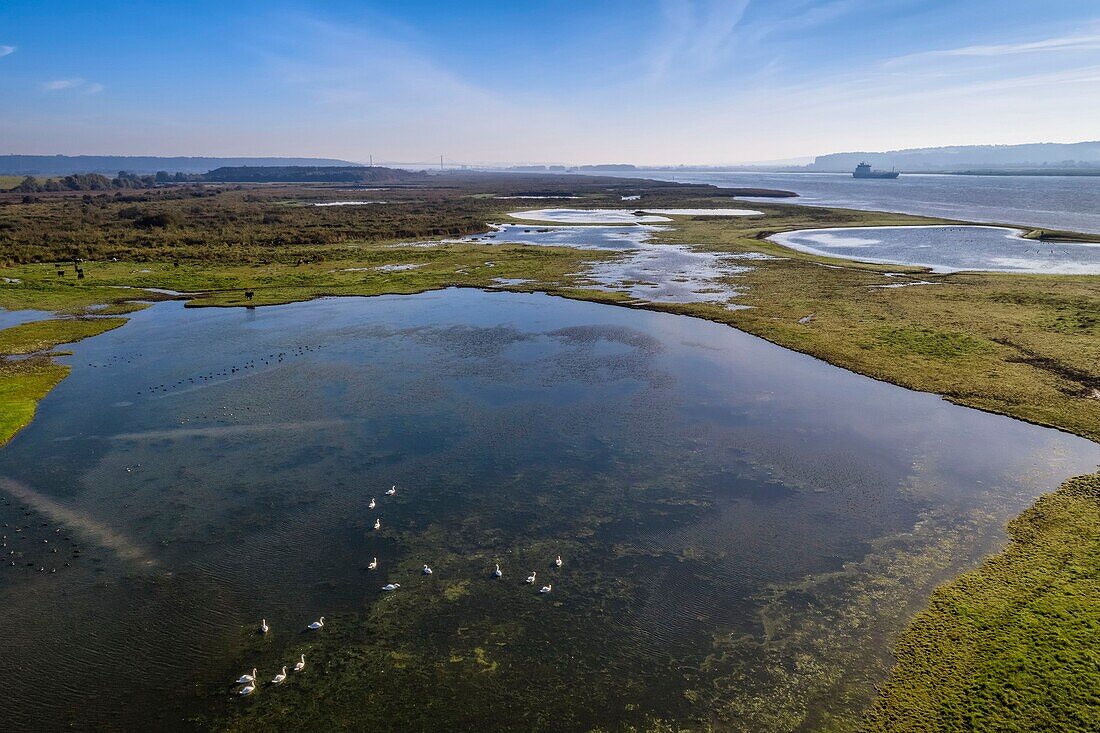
(204,468)
(1055,202)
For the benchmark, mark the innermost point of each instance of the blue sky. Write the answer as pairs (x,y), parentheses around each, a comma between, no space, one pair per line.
(671,81)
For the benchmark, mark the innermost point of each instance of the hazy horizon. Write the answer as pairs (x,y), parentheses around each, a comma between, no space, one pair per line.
(657,83)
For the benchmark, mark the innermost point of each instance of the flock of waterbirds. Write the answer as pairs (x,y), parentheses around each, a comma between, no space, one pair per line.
(250,681)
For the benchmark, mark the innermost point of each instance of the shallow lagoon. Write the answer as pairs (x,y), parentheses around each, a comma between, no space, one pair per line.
(948,248)
(621,216)
(15,318)
(209,467)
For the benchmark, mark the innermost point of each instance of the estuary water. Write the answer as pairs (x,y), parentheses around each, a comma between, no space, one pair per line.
(201,469)
(1055,202)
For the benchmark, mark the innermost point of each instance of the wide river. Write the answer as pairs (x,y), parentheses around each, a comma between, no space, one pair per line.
(1054,202)
(742,527)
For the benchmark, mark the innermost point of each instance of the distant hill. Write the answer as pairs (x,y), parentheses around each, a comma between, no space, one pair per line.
(968,157)
(63,165)
(607,167)
(310,174)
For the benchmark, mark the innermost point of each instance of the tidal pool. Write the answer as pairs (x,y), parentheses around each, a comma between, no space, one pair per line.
(659,273)
(743,528)
(15,318)
(349,203)
(948,248)
(622,216)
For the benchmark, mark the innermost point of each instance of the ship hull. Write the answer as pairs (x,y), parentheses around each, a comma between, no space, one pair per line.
(877,174)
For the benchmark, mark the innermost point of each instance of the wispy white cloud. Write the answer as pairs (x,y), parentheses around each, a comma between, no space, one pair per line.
(77,85)
(1074,43)
(696,36)
(6,51)
(386,89)
(56,84)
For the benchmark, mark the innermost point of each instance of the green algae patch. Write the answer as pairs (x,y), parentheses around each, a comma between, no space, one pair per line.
(1015,644)
(455,591)
(22,384)
(28,338)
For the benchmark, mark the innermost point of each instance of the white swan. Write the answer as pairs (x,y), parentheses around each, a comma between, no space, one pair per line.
(317,624)
(546,588)
(531,578)
(300,665)
(427,570)
(264,628)
(378,524)
(391,586)
(372,504)
(558,561)
(279,678)
(496,571)
(391,491)
(248,689)
(245,678)
(373,564)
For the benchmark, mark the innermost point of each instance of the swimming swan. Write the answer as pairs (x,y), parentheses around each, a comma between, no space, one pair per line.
(373,564)
(372,504)
(391,491)
(531,578)
(391,586)
(378,524)
(264,628)
(546,588)
(427,570)
(245,678)
(300,665)
(496,571)
(558,561)
(317,624)
(279,678)
(248,689)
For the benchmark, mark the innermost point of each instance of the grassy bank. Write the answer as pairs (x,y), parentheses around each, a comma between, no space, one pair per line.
(24,382)
(28,338)
(1022,345)
(1015,644)
(22,385)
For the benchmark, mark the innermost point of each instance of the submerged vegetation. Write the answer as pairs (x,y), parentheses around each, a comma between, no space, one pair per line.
(1015,644)
(994,644)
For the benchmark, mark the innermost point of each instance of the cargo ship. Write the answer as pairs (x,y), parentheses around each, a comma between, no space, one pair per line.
(863,170)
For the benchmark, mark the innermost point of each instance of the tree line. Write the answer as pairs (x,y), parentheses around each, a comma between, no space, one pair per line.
(100,182)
